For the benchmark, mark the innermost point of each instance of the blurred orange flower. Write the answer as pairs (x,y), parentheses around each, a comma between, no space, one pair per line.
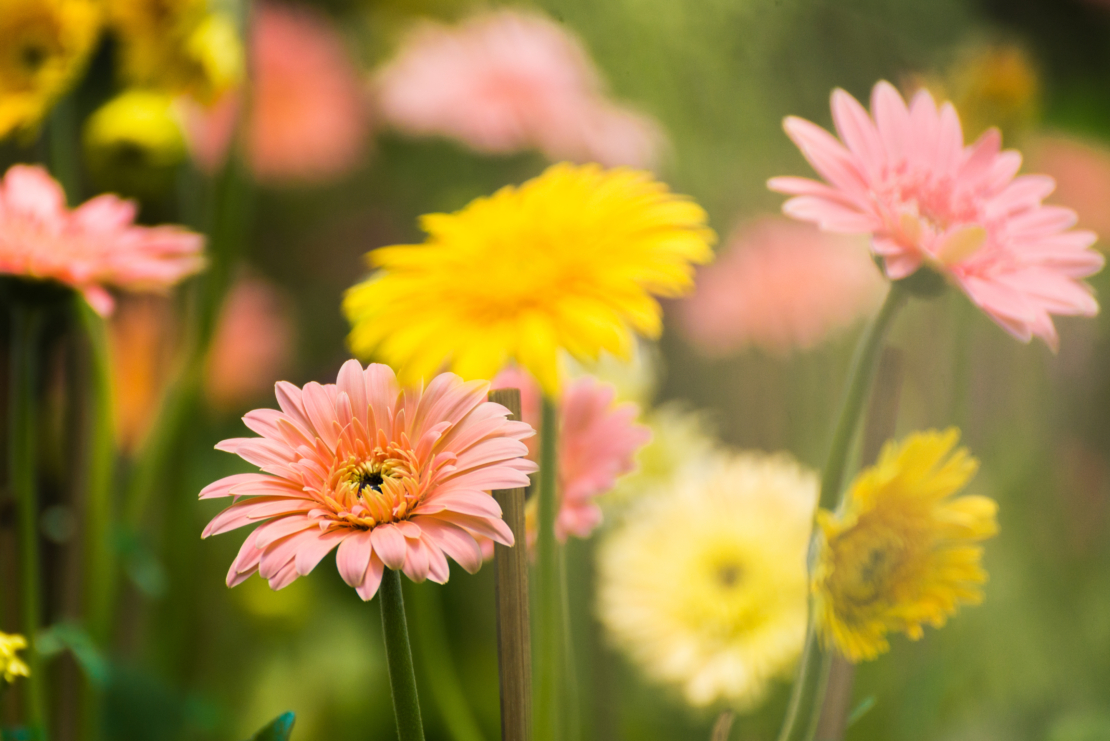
(252,346)
(141,334)
(307,121)
(780,286)
(508,81)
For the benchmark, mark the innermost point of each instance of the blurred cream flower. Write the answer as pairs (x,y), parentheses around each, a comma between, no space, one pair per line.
(706,587)
(45,46)
(11,666)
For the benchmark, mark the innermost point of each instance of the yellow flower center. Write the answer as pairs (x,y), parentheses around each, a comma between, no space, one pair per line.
(367,489)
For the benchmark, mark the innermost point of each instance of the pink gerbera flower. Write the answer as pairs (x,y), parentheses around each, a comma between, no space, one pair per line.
(90,248)
(780,286)
(926,199)
(508,80)
(392,477)
(598,440)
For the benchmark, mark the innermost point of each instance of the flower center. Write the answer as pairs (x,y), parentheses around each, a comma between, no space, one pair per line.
(368,478)
(729,575)
(867,573)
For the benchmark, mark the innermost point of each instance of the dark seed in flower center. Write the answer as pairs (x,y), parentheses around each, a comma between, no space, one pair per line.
(729,575)
(372,480)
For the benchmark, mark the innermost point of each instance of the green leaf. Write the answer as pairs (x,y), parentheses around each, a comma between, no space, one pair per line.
(861,710)
(278,729)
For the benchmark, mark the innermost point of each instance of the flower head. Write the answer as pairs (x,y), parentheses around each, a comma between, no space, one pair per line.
(902,551)
(46,44)
(90,248)
(598,440)
(392,477)
(780,286)
(905,177)
(135,141)
(308,121)
(567,261)
(178,46)
(507,81)
(11,666)
(705,586)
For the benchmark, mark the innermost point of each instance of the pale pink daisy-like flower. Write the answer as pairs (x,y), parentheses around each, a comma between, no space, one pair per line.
(598,440)
(90,248)
(906,178)
(780,286)
(1081,170)
(252,345)
(307,120)
(507,81)
(392,477)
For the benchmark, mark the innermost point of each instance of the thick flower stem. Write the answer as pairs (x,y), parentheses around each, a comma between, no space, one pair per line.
(550,658)
(807,696)
(23,432)
(398,654)
(98,509)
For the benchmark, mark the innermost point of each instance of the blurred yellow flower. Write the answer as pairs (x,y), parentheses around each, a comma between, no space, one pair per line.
(178,46)
(11,666)
(568,261)
(137,136)
(902,551)
(45,46)
(705,587)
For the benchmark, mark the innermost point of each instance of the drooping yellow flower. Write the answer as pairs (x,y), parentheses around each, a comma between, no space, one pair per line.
(11,666)
(570,260)
(134,141)
(903,551)
(44,45)
(178,46)
(705,586)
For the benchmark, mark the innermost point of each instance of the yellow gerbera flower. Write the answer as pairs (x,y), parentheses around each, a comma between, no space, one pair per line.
(901,552)
(178,46)
(569,260)
(705,586)
(11,666)
(134,141)
(45,46)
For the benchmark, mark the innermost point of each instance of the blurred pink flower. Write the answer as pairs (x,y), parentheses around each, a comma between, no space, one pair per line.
(507,81)
(1082,174)
(252,346)
(780,286)
(392,477)
(598,441)
(307,120)
(926,199)
(91,247)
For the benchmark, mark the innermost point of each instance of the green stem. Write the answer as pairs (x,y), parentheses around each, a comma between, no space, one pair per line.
(398,654)
(100,456)
(434,653)
(61,133)
(859,384)
(550,659)
(100,453)
(23,432)
(809,685)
